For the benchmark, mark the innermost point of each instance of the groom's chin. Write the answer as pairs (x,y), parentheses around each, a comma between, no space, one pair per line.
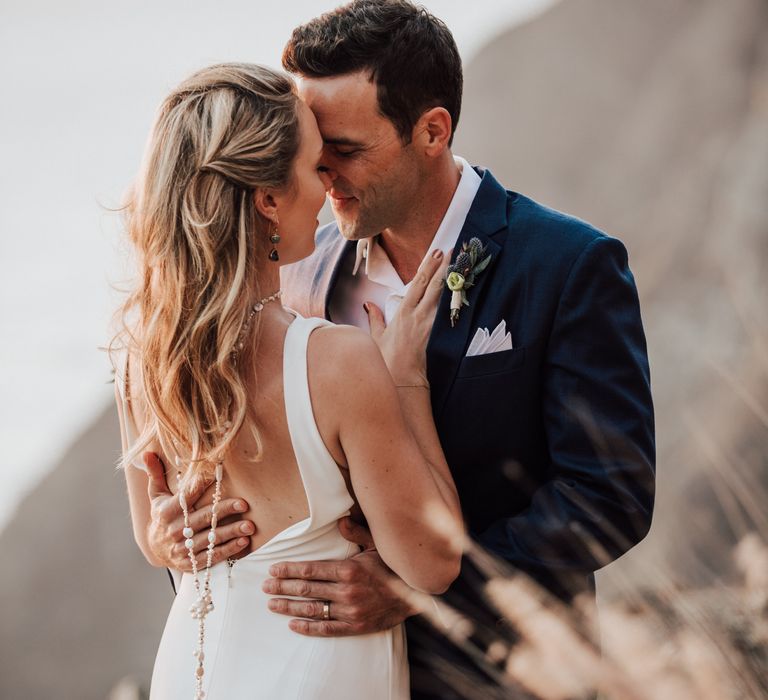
(350,232)
(347,220)
(350,229)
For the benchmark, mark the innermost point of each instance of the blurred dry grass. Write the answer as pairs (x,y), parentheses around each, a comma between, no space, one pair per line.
(659,641)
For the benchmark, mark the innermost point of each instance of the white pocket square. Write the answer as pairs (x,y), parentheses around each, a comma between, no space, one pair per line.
(485,343)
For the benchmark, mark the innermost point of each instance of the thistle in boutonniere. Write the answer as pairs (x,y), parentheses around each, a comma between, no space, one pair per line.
(462,274)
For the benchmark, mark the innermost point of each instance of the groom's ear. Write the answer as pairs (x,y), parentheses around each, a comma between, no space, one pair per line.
(433,131)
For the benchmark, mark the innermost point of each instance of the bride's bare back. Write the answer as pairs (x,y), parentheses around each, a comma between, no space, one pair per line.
(272,487)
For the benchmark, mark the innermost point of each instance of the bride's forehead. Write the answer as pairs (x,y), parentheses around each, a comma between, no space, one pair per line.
(311,140)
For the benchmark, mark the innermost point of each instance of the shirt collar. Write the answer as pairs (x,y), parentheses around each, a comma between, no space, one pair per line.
(379,269)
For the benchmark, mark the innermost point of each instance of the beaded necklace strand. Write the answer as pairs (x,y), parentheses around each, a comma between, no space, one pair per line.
(204,603)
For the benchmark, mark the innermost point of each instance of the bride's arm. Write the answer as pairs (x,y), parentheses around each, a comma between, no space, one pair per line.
(403,345)
(417,410)
(137,482)
(406,492)
(388,436)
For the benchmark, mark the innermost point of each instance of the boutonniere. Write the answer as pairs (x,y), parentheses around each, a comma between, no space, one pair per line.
(462,274)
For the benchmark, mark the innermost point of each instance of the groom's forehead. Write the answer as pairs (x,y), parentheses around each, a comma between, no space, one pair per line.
(353,94)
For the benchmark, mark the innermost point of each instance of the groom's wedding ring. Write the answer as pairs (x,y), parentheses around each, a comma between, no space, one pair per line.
(326,610)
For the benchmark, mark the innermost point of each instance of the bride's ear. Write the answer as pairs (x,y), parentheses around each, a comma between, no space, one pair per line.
(264,200)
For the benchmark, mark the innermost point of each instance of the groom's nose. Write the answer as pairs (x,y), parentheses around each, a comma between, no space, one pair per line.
(327,176)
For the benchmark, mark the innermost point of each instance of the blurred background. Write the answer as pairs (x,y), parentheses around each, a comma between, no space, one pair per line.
(648,118)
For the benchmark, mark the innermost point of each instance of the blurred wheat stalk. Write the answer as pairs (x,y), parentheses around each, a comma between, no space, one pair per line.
(664,642)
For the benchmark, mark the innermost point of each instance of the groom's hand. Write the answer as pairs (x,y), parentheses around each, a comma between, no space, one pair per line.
(359,589)
(165,535)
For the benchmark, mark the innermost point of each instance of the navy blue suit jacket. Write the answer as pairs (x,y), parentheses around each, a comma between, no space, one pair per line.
(551,444)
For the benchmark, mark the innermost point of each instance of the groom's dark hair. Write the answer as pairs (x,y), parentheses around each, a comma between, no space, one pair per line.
(411,55)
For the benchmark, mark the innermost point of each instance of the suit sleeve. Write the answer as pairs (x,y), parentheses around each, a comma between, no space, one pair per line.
(599,426)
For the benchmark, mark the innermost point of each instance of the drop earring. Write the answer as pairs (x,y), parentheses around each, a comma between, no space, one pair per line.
(274,239)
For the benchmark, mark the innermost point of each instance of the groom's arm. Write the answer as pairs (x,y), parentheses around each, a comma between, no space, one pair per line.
(598,417)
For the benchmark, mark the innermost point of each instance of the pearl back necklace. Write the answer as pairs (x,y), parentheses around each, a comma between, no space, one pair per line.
(258,306)
(204,603)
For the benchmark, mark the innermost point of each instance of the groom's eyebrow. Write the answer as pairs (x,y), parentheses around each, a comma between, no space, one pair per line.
(341,141)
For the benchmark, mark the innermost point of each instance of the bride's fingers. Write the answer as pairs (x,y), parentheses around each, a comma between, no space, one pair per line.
(436,285)
(376,320)
(422,279)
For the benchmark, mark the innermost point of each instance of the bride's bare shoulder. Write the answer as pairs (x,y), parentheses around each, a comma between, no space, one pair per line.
(345,370)
(346,353)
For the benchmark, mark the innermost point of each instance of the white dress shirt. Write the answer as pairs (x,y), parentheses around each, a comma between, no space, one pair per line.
(370,276)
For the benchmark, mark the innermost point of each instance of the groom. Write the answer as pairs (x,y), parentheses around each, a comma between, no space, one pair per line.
(550,434)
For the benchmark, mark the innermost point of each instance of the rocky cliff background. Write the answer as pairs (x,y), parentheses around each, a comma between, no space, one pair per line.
(649,118)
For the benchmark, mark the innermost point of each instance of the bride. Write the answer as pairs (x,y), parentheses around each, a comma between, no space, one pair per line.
(301,418)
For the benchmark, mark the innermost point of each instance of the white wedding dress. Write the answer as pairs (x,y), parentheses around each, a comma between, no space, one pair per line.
(250,652)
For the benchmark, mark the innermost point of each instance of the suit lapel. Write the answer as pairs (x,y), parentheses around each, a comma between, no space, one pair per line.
(327,274)
(487,220)
(306,283)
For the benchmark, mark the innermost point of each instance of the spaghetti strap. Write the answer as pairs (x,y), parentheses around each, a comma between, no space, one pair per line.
(326,490)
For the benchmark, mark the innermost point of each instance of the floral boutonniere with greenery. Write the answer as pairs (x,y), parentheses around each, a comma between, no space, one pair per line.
(462,274)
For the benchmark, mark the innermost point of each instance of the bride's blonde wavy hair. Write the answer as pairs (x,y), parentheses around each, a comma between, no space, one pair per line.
(223,133)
